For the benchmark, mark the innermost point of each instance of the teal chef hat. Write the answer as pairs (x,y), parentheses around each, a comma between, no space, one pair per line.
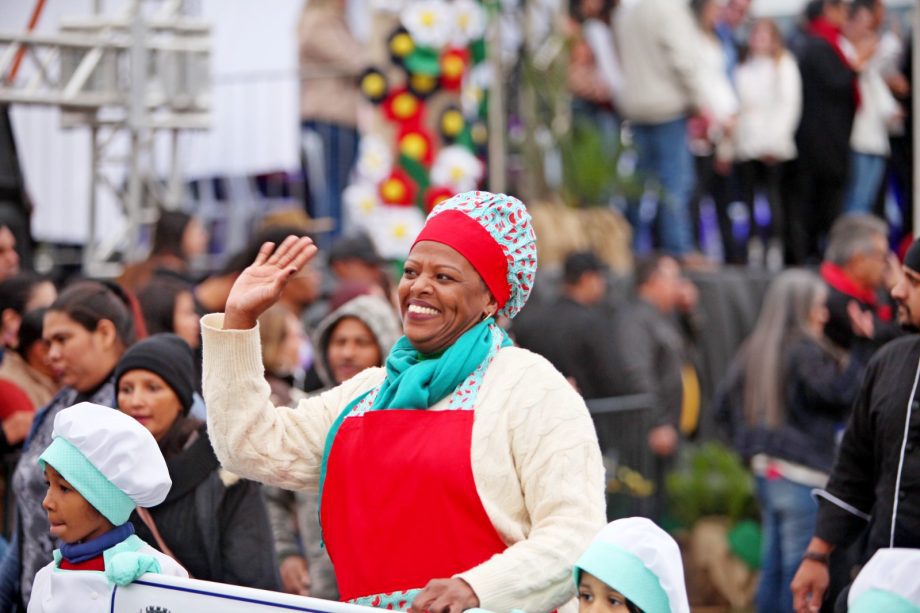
(109,458)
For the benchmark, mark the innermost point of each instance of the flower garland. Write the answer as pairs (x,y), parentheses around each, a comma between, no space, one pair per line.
(429,93)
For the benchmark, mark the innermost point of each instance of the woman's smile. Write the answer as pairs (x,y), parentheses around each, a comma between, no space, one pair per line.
(419,310)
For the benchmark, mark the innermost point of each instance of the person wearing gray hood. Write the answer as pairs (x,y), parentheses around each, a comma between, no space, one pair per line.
(357,335)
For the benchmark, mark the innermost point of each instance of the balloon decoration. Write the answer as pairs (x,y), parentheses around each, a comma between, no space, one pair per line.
(428,88)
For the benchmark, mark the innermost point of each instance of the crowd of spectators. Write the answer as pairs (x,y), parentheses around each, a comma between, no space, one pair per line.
(782,402)
(716,107)
(135,345)
(727,109)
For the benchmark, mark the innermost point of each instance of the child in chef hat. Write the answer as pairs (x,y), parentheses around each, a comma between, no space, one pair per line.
(631,566)
(100,465)
(888,582)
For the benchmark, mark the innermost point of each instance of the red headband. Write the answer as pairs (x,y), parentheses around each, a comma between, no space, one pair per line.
(464,234)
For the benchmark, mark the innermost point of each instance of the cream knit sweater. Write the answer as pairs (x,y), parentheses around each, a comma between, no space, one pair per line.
(535,457)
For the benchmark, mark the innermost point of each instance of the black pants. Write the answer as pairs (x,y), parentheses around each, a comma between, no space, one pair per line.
(756,177)
(723,189)
(815,200)
(901,169)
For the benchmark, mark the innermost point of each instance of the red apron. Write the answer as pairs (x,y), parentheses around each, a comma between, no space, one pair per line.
(399,504)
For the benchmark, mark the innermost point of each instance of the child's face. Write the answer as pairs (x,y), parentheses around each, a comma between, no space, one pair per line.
(595,596)
(72,519)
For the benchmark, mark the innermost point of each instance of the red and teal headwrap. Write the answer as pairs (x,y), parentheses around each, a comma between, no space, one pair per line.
(495,234)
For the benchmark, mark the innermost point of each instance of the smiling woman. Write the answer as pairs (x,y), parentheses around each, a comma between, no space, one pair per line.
(466,473)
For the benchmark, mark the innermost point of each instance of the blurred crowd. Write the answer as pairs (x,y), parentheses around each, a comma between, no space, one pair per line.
(801,131)
(134,344)
(785,132)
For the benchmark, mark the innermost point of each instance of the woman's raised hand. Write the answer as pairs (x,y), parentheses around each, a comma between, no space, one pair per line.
(260,285)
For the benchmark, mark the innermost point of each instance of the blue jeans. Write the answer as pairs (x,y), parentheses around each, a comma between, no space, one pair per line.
(339,150)
(664,156)
(866,175)
(788,513)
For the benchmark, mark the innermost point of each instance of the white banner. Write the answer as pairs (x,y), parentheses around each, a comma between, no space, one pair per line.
(164,594)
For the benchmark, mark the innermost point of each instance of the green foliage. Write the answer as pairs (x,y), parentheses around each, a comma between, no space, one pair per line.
(710,480)
(590,166)
(589,170)
(745,540)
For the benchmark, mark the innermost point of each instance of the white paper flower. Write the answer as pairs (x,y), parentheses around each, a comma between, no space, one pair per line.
(395,228)
(457,168)
(469,22)
(429,22)
(362,204)
(474,87)
(375,160)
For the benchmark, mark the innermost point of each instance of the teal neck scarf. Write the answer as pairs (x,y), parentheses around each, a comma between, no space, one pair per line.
(418,382)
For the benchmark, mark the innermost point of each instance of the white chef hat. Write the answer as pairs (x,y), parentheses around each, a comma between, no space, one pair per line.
(888,582)
(110,458)
(641,561)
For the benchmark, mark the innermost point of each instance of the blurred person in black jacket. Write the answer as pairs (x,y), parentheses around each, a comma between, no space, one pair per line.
(875,480)
(657,360)
(860,270)
(575,333)
(830,97)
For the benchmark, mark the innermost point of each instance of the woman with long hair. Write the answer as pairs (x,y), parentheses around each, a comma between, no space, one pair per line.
(770,94)
(169,306)
(282,335)
(178,240)
(88,327)
(784,403)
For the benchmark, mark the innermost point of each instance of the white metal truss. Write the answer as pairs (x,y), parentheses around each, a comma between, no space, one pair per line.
(129,76)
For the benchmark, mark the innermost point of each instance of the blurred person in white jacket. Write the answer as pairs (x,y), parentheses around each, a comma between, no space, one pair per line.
(710,132)
(770,94)
(878,111)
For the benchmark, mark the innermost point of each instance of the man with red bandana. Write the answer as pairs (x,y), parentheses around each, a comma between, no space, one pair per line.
(858,270)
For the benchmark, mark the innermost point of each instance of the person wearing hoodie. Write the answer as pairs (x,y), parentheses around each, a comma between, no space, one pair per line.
(357,335)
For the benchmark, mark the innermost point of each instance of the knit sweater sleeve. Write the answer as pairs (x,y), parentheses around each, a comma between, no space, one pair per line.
(253,438)
(560,475)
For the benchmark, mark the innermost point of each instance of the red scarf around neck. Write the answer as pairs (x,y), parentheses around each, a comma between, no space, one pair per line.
(823,29)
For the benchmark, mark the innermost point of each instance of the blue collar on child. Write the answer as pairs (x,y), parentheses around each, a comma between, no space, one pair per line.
(81,552)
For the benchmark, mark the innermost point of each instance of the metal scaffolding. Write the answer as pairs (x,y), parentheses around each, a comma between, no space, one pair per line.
(133,75)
